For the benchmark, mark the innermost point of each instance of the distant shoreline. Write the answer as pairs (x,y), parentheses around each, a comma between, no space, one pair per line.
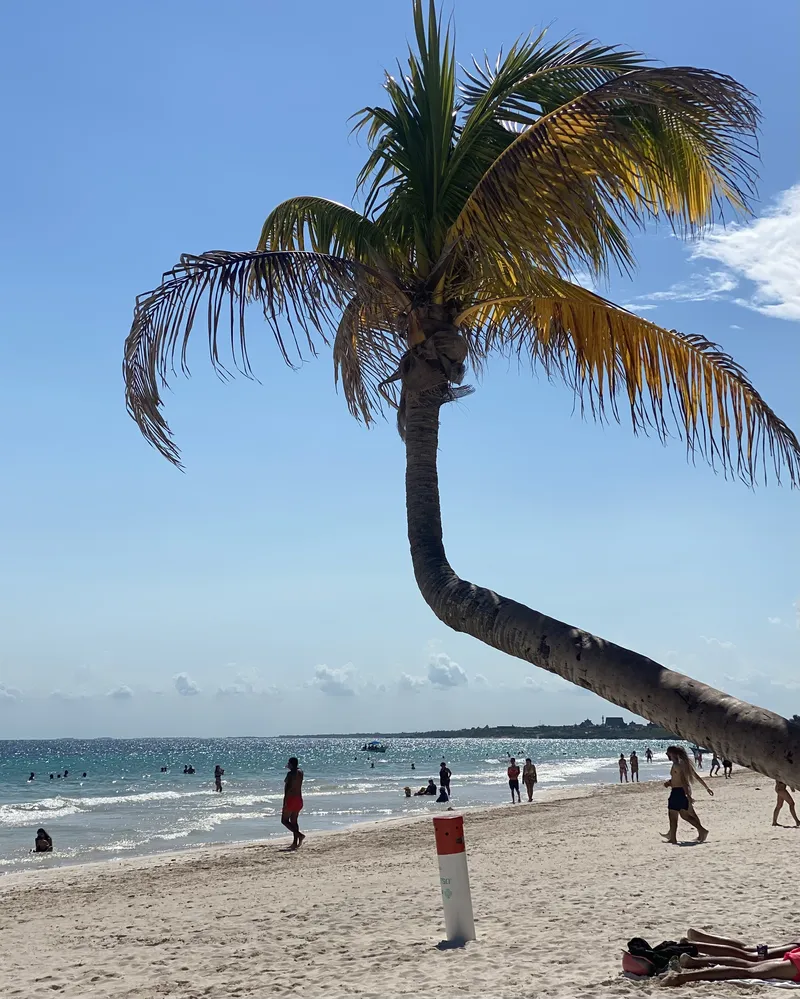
(584,731)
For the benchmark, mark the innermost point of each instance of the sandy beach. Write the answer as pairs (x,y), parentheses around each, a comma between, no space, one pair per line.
(558,888)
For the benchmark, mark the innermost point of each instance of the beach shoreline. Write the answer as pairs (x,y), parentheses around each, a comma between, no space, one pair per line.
(558,888)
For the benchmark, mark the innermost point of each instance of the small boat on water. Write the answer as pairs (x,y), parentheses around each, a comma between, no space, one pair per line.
(373,747)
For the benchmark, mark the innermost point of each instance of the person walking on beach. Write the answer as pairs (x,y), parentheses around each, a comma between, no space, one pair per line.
(218,772)
(714,768)
(648,754)
(784,798)
(634,767)
(727,769)
(513,779)
(529,777)
(623,768)
(445,774)
(680,797)
(293,801)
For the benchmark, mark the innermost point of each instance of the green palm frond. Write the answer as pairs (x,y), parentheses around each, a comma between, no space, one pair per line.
(412,141)
(308,223)
(301,294)
(671,382)
(674,141)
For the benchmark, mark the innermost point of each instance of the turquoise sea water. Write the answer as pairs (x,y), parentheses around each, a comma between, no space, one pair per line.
(126,806)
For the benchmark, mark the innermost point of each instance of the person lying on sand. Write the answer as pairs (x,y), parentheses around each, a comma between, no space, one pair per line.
(729,969)
(711,945)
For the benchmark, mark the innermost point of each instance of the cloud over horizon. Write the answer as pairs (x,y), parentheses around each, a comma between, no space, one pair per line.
(335,682)
(121,693)
(185,686)
(444,672)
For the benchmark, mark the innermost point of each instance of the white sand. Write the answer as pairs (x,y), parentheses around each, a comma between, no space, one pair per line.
(558,888)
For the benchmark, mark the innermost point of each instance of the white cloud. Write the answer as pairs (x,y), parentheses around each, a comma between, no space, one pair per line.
(480,680)
(584,280)
(706,287)
(735,327)
(716,641)
(766,252)
(635,307)
(411,684)
(121,693)
(9,693)
(185,686)
(443,672)
(530,684)
(338,682)
(774,620)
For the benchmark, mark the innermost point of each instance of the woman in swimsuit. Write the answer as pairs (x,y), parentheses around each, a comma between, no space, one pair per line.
(680,797)
(784,798)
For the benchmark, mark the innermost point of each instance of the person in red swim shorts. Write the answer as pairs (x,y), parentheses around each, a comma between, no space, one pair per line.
(293,801)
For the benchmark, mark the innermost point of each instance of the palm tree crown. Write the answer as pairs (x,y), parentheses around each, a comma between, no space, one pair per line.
(480,201)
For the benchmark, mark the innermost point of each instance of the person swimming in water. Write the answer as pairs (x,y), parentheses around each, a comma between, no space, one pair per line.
(680,803)
(43,842)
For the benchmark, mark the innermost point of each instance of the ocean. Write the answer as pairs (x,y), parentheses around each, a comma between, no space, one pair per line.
(126,805)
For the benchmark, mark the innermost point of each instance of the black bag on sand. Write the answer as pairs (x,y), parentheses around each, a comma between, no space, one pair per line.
(659,956)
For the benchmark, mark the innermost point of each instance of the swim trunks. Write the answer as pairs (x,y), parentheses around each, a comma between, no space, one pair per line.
(514,785)
(794,957)
(292,805)
(678,802)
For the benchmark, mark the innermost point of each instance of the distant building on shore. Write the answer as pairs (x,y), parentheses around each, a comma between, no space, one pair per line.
(612,722)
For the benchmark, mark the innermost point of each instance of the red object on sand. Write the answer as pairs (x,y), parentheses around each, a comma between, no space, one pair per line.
(449,833)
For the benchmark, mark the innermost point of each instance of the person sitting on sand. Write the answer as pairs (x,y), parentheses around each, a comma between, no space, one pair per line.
(293,801)
(43,843)
(513,779)
(443,796)
(784,798)
(680,801)
(623,768)
(634,767)
(727,769)
(728,969)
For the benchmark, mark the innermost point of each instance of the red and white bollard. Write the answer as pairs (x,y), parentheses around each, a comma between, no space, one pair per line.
(454,876)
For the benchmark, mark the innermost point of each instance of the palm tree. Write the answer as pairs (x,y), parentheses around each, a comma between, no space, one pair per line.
(479,203)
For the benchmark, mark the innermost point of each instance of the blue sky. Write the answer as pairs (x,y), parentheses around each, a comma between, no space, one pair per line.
(269,589)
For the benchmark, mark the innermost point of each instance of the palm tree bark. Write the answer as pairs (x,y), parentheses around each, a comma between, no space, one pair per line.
(746,734)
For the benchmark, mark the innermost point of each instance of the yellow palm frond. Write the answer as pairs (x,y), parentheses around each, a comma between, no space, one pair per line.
(671,381)
(671,141)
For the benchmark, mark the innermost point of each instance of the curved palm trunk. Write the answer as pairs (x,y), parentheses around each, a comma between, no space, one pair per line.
(742,732)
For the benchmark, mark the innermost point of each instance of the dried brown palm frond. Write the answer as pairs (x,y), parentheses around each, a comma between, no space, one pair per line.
(302,296)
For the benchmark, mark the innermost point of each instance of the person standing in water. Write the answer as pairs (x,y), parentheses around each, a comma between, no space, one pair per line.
(680,798)
(293,801)
(513,779)
(634,767)
(218,772)
(648,754)
(445,773)
(623,768)
(784,798)
(529,777)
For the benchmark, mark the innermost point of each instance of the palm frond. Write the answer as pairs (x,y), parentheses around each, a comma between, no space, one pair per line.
(309,223)
(366,353)
(411,141)
(301,294)
(675,142)
(672,382)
